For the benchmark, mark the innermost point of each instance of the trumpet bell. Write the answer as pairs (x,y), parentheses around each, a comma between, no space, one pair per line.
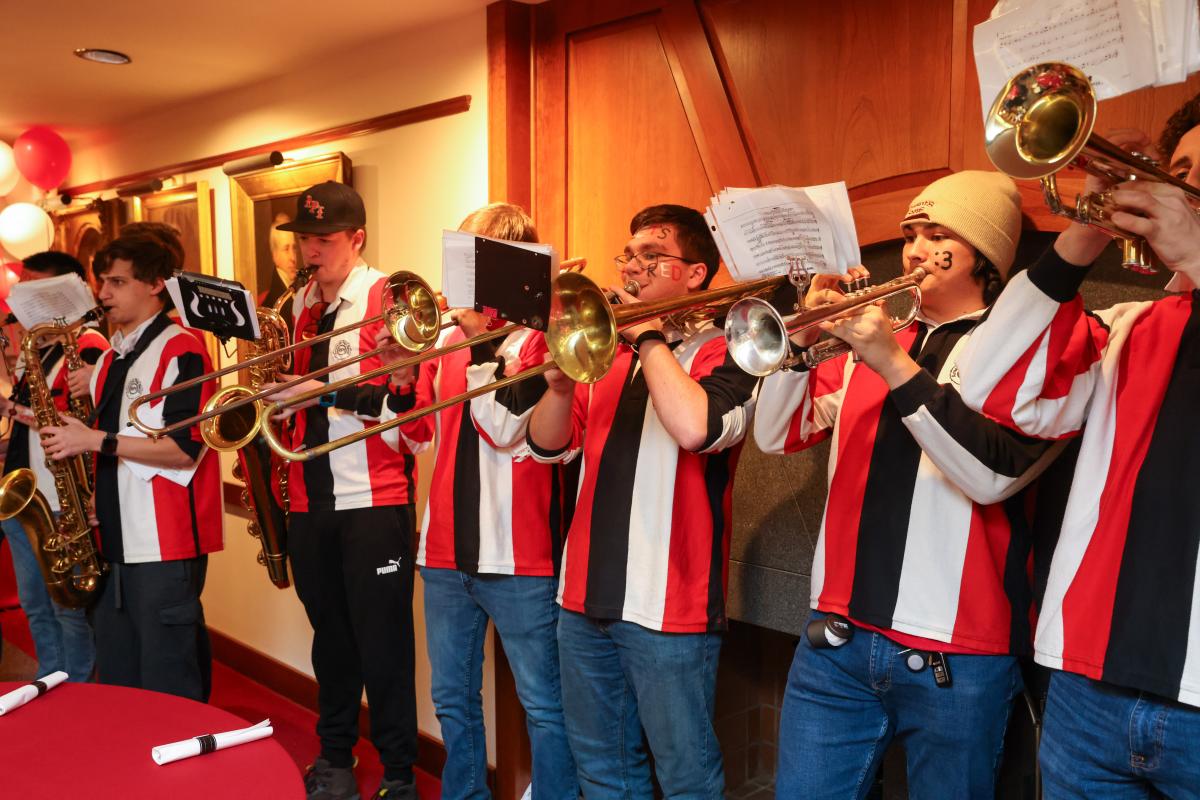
(756,336)
(412,314)
(233,429)
(1040,121)
(582,332)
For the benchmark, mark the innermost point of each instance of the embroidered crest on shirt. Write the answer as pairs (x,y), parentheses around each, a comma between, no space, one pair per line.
(341,350)
(133,389)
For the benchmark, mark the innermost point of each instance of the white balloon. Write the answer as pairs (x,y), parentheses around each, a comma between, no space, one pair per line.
(9,175)
(25,229)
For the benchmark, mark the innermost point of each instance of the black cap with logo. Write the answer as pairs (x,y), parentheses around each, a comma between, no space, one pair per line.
(326,208)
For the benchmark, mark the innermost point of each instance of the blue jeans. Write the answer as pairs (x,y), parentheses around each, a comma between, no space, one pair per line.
(457,609)
(843,705)
(620,678)
(62,637)
(1102,742)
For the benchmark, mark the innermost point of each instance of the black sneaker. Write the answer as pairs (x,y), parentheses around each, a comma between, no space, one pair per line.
(323,781)
(395,790)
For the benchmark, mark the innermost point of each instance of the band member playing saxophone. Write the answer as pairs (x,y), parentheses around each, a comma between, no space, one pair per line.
(158,502)
(920,598)
(62,637)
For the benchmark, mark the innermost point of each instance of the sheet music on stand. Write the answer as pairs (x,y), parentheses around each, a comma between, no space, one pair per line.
(224,308)
(763,232)
(1121,45)
(63,298)
(502,279)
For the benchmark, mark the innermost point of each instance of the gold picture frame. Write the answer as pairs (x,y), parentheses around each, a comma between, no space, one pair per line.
(258,201)
(82,229)
(188,209)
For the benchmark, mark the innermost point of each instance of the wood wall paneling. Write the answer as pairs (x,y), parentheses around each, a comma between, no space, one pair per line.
(855,91)
(629,143)
(509,95)
(630,110)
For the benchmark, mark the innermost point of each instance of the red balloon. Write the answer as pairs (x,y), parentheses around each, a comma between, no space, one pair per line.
(42,156)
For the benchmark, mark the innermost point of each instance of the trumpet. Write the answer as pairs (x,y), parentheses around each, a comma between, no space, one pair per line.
(1041,122)
(410,313)
(758,336)
(582,335)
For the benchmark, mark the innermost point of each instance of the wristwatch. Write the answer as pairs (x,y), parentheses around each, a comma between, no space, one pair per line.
(109,446)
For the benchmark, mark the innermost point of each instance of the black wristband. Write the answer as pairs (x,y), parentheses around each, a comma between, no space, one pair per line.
(649,336)
(109,446)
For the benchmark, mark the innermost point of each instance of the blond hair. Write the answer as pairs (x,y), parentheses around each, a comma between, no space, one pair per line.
(501,221)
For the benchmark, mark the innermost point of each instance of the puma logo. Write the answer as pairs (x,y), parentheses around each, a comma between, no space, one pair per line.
(393,565)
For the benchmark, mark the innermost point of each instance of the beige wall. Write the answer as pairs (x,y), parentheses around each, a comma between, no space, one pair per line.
(416,180)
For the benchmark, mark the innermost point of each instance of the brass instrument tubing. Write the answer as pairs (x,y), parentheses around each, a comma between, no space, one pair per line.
(232,405)
(630,315)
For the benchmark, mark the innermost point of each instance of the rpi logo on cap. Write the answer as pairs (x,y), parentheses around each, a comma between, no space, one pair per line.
(314,208)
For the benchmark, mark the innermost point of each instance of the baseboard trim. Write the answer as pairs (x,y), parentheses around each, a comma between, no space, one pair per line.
(302,690)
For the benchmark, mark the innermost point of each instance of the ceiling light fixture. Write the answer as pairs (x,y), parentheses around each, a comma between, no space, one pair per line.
(102,56)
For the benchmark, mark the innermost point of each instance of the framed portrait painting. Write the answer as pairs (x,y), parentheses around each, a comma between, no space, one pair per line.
(265,258)
(83,229)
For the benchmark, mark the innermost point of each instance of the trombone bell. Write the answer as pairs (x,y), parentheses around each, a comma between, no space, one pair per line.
(233,429)
(582,332)
(414,318)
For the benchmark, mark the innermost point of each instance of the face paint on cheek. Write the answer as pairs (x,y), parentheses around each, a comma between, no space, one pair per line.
(676,271)
(947,260)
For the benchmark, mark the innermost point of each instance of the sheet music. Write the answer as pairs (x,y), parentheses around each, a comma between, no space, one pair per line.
(1111,41)
(761,232)
(1169,22)
(458,264)
(64,297)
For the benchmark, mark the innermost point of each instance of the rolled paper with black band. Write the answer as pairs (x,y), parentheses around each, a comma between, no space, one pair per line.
(209,743)
(30,691)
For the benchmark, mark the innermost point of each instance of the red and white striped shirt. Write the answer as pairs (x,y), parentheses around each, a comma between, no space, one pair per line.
(925,536)
(24,444)
(379,470)
(492,508)
(1123,590)
(150,514)
(649,542)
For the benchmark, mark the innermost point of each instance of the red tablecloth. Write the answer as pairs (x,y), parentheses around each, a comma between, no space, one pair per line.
(93,741)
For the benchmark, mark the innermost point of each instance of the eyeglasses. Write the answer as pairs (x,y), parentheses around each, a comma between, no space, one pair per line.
(648,260)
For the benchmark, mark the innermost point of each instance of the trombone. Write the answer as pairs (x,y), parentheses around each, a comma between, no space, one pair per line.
(1041,122)
(581,335)
(758,336)
(410,313)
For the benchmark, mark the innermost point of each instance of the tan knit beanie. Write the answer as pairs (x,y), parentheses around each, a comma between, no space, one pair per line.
(982,207)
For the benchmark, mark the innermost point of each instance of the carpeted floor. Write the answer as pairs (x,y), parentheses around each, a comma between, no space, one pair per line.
(294,725)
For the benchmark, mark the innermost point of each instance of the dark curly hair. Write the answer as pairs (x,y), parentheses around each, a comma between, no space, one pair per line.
(1183,120)
(986,274)
(691,231)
